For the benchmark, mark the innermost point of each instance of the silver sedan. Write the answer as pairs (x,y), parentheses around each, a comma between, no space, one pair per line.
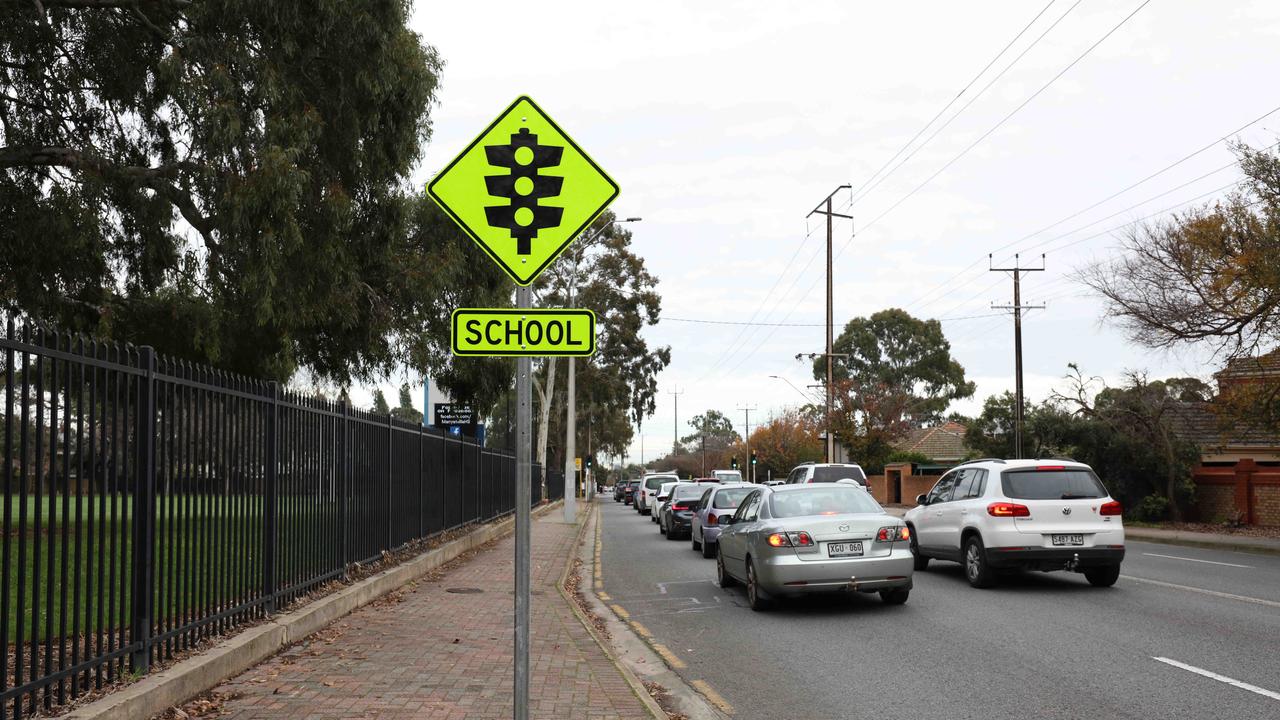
(798,539)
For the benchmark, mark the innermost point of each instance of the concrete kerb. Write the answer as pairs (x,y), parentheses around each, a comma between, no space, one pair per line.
(634,656)
(579,547)
(186,679)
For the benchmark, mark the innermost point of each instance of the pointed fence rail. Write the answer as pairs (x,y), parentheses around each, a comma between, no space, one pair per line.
(150,504)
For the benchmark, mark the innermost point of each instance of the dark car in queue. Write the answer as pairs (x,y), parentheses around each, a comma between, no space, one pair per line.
(822,537)
(629,491)
(677,512)
(716,502)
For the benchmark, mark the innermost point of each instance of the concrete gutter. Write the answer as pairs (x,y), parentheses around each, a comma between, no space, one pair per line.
(580,551)
(1213,541)
(188,678)
(634,655)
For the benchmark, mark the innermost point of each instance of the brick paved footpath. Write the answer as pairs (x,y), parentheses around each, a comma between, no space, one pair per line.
(435,654)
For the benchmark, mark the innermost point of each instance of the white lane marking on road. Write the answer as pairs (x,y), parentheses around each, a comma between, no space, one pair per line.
(1215,593)
(1220,678)
(1211,562)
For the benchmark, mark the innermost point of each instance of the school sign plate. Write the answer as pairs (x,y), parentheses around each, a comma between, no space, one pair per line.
(513,332)
(523,190)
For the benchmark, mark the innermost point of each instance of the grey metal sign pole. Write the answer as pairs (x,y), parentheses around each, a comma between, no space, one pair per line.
(524,447)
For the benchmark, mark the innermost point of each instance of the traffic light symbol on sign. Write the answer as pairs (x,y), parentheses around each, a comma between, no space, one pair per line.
(524,186)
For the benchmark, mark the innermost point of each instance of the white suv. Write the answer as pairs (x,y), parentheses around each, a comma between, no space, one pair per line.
(827,472)
(647,492)
(992,515)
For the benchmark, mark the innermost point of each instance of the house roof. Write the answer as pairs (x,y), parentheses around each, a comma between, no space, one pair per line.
(1197,422)
(940,442)
(1249,367)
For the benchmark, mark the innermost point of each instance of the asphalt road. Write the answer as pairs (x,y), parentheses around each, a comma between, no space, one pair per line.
(1042,645)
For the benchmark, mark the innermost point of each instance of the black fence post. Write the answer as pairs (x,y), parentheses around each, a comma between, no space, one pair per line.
(270,502)
(344,482)
(422,484)
(391,439)
(144,496)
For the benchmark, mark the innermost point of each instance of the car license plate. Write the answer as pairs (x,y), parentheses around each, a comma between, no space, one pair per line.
(1068,539)
(844,549)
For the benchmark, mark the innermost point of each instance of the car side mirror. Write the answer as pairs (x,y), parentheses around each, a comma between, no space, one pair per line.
(726,520)
(922,500)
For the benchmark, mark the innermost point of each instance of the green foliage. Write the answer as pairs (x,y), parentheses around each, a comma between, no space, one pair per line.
(225,180)
(380,403)
(898,456)
(713,431)
(898,374)
(1049,429)
(405,410)
(617,386)
(1152,508)
(892,353)
(784,442)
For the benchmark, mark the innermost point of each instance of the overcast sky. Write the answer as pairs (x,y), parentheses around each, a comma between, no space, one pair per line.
(725,123)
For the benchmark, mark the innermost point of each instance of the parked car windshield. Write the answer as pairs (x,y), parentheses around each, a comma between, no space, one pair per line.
(1036,484)
(833,500)
(730,498)
(832,474)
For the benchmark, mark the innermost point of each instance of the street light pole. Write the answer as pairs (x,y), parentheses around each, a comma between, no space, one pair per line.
(571,411)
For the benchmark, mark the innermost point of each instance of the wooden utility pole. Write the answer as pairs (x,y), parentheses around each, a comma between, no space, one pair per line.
(824,208)
(1017,307)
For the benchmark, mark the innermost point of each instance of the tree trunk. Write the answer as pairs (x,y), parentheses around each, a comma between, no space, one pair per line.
(546,398)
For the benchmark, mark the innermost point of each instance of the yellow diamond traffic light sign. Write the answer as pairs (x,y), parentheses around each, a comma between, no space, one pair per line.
(523,190)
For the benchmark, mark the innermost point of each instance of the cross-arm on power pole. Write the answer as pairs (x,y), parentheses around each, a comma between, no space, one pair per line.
(824,208)
(1018,308)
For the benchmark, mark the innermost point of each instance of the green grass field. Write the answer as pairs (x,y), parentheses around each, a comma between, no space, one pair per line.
(206,547)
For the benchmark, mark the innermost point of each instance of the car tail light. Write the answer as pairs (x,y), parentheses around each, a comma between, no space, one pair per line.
(1111,508)
(800,539)
(893,533)
(679,506)
(711,519)
(791,539)
(1051,467)
(1005,509)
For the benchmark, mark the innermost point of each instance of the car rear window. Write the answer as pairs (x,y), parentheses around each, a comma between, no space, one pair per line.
(729,475)
(656,481)
(730,498)
(834,500)
(1051,484)
(832,474)
(683,492)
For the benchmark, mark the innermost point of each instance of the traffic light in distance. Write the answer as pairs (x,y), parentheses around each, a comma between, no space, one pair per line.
(734,464)
(753,459)
(588,463)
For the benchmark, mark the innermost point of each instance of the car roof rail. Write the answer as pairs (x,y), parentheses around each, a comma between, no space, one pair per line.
(978,460)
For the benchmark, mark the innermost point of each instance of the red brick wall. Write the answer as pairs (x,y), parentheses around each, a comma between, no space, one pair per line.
(1246,488)
(1266,504)
(1215,503)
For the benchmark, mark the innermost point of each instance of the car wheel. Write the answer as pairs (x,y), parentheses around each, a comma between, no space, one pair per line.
(694,541)
(919,561)
(976,570)
(671,533)
(708,550)
(662,528)
(755,598)
(723,578)
(1105,576)
(896,596)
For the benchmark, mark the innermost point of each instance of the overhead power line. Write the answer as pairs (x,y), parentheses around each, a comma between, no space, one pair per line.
(1007,117)
(858,194)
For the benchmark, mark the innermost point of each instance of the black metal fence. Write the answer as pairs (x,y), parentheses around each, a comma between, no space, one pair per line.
(150,504)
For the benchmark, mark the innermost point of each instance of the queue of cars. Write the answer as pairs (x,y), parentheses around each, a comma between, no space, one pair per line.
(822,531)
